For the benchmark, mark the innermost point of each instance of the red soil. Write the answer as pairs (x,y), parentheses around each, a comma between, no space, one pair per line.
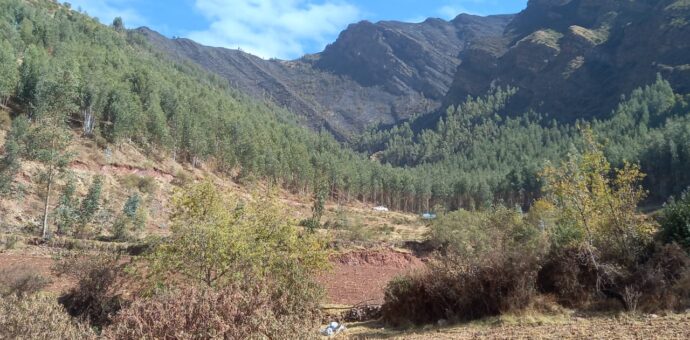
(361,276)
(356,277)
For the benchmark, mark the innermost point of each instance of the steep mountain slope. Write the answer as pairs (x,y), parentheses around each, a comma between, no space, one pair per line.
(575,58)
(374,72)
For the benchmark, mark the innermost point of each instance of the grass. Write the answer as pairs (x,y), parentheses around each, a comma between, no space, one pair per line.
(547,37)
(679,5)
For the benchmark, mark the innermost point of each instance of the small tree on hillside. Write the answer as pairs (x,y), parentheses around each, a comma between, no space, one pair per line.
(14,149)
(49,142)
(118,24)
(596,210)
(132,218)
(217,240)
(9,71)
(66,212)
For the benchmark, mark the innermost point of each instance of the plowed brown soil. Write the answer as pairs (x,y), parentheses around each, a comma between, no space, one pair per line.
(361,276)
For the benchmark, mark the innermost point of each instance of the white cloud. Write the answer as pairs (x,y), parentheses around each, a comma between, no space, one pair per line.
(449,12)
(107,10)
(273,28)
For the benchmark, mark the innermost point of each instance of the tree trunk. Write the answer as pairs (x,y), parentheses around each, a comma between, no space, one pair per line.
(45,208)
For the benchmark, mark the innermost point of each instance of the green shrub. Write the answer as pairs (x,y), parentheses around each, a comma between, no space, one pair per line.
(145,184)
(675,222)
(487,264)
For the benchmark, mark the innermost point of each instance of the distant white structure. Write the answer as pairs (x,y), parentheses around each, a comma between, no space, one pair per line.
(428,216)
(381,209)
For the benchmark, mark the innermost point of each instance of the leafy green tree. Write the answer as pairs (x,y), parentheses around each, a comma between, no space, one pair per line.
(595,211)
(9,70)
(90,204)
(216,241)
(32,71)
(132,218)
(15,148)
(66,213)
(49,145)
(118,24)
(675,221)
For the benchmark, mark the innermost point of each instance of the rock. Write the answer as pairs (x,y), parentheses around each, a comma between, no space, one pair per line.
(374,72)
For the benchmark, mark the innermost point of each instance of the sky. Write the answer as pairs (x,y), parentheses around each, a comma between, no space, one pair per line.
(284,29)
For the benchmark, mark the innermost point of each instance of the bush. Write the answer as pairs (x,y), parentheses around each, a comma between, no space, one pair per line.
(487,264)
(145,184)
(663,281)
(454,289)
(97,296)
(38,317)
(675,222)
(570,275)
(230,313)
(21,281)
(659,282)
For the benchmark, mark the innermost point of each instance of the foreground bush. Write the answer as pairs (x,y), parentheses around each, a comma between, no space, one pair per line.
(230,313)
(38,317)
(663,281)
(675,222)
(456,290)
(487,264)
(230,269)
(96,297)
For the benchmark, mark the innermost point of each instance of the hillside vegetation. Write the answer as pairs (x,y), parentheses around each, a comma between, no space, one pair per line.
(141,197)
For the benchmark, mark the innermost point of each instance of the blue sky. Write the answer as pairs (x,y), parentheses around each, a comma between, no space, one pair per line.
(285,29)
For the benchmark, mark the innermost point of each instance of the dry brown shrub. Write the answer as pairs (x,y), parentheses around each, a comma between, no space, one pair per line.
(97,296)
(664,280)
(21,281)
(454,289)
(203,313)
(38,317)
(570,275)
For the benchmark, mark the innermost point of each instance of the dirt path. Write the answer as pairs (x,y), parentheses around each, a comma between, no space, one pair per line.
(361,276)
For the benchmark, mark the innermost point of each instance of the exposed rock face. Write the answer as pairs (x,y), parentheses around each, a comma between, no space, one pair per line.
(571,59)
(374,73)
(575,58)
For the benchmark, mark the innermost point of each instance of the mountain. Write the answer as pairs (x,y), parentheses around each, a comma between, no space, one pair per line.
(373,73)
(574,59)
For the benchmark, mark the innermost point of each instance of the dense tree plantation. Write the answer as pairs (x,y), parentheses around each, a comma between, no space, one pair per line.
(63,70)
(477,156)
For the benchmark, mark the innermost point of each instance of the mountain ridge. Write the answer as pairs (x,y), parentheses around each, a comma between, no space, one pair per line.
(373,73)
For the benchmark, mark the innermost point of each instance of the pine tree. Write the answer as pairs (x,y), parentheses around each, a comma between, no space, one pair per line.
(9,71)
(90,204)
(15,148)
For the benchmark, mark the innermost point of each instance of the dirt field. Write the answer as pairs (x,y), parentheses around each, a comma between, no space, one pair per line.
(675,326)
(361,276)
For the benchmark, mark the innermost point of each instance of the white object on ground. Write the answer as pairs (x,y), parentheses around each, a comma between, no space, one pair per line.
(333,329)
